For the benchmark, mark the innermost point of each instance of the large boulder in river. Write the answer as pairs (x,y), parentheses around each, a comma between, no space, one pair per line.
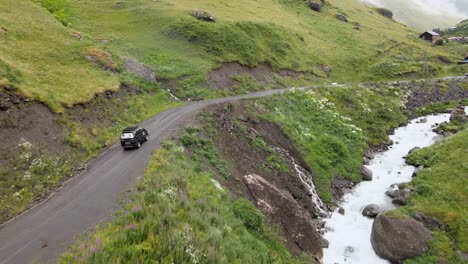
(366,173)
(371,210)
(399,238)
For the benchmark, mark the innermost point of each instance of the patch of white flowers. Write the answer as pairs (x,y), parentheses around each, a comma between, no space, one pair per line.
(189,249)
(170,193)
(365,108)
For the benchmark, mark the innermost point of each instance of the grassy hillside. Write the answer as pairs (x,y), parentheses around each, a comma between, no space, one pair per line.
(40,56)
(181,215)
(460,31)
(441,192)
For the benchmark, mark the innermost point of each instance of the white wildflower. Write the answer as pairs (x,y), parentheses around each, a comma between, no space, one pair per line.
(27,175)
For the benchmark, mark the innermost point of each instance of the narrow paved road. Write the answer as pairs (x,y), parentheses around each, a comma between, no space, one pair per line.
(42,233)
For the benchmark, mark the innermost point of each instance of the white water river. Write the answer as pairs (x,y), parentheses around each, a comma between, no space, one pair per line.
(349,234)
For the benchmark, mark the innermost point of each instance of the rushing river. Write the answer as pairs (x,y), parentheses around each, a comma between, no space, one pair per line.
(349,234)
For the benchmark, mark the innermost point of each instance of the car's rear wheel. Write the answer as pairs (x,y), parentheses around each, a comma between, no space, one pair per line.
(146,137)
(138,144)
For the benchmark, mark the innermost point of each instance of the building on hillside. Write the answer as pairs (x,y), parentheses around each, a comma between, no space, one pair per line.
(430,36)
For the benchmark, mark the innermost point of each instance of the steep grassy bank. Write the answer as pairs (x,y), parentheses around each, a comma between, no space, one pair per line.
(333,127)
(180,214)
(441,192)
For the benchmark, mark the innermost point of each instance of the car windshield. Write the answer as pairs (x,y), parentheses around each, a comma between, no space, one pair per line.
(126,135)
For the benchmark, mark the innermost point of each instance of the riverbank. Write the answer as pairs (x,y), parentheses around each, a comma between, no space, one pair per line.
(349,233)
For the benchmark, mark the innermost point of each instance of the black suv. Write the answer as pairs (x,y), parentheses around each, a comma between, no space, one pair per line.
(132,137)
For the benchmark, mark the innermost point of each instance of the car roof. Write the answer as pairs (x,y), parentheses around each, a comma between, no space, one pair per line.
(130,129)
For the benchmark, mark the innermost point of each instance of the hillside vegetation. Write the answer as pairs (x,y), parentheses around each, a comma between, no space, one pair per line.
(44,54)
(181,215)
(460,31)
(441,190)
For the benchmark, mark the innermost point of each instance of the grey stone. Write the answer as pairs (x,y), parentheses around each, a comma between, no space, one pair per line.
(428,221)
(399,238)
(371,210)
(342,18)
(325,243)
(401,197)
(317,5)
(348,251)
(458,115)
(203,15)
(139,69)
(341,211)
(366,173)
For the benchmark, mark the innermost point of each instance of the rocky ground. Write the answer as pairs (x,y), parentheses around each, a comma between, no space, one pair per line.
(275,189)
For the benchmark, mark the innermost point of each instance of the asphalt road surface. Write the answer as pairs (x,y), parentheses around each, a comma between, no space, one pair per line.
(42,233)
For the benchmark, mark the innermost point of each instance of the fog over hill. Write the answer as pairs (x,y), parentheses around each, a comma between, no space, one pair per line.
(426,14)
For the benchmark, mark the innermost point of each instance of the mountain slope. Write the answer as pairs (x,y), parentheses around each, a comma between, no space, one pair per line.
(51,58)
(39,56)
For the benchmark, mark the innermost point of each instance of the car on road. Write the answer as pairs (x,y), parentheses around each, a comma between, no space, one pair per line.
(133,137)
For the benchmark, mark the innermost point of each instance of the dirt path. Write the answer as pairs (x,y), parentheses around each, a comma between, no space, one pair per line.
(45,231)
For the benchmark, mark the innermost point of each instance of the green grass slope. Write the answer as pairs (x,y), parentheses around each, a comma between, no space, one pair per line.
(441,191)
(284,34)
(39,55)
(460,31)
(179,215)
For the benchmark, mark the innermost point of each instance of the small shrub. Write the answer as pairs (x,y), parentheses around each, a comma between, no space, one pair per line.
(250,216)
(59,8)
(8,74)
(101,58)
(439,42)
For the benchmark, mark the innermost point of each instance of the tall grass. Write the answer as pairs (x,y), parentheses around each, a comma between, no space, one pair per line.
(333,127)
(441,192)
(179,215)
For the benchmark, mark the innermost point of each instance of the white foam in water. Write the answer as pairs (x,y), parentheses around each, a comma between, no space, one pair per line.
(349,234)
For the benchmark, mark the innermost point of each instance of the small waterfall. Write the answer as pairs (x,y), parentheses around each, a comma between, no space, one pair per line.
(173,97)
(307,179)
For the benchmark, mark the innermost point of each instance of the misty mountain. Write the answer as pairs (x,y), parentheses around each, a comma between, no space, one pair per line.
(425,14)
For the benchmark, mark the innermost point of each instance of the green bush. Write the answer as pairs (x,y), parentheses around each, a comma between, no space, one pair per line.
(59,8)
(439,42)
(250,216)
(9,73)
(247,42)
